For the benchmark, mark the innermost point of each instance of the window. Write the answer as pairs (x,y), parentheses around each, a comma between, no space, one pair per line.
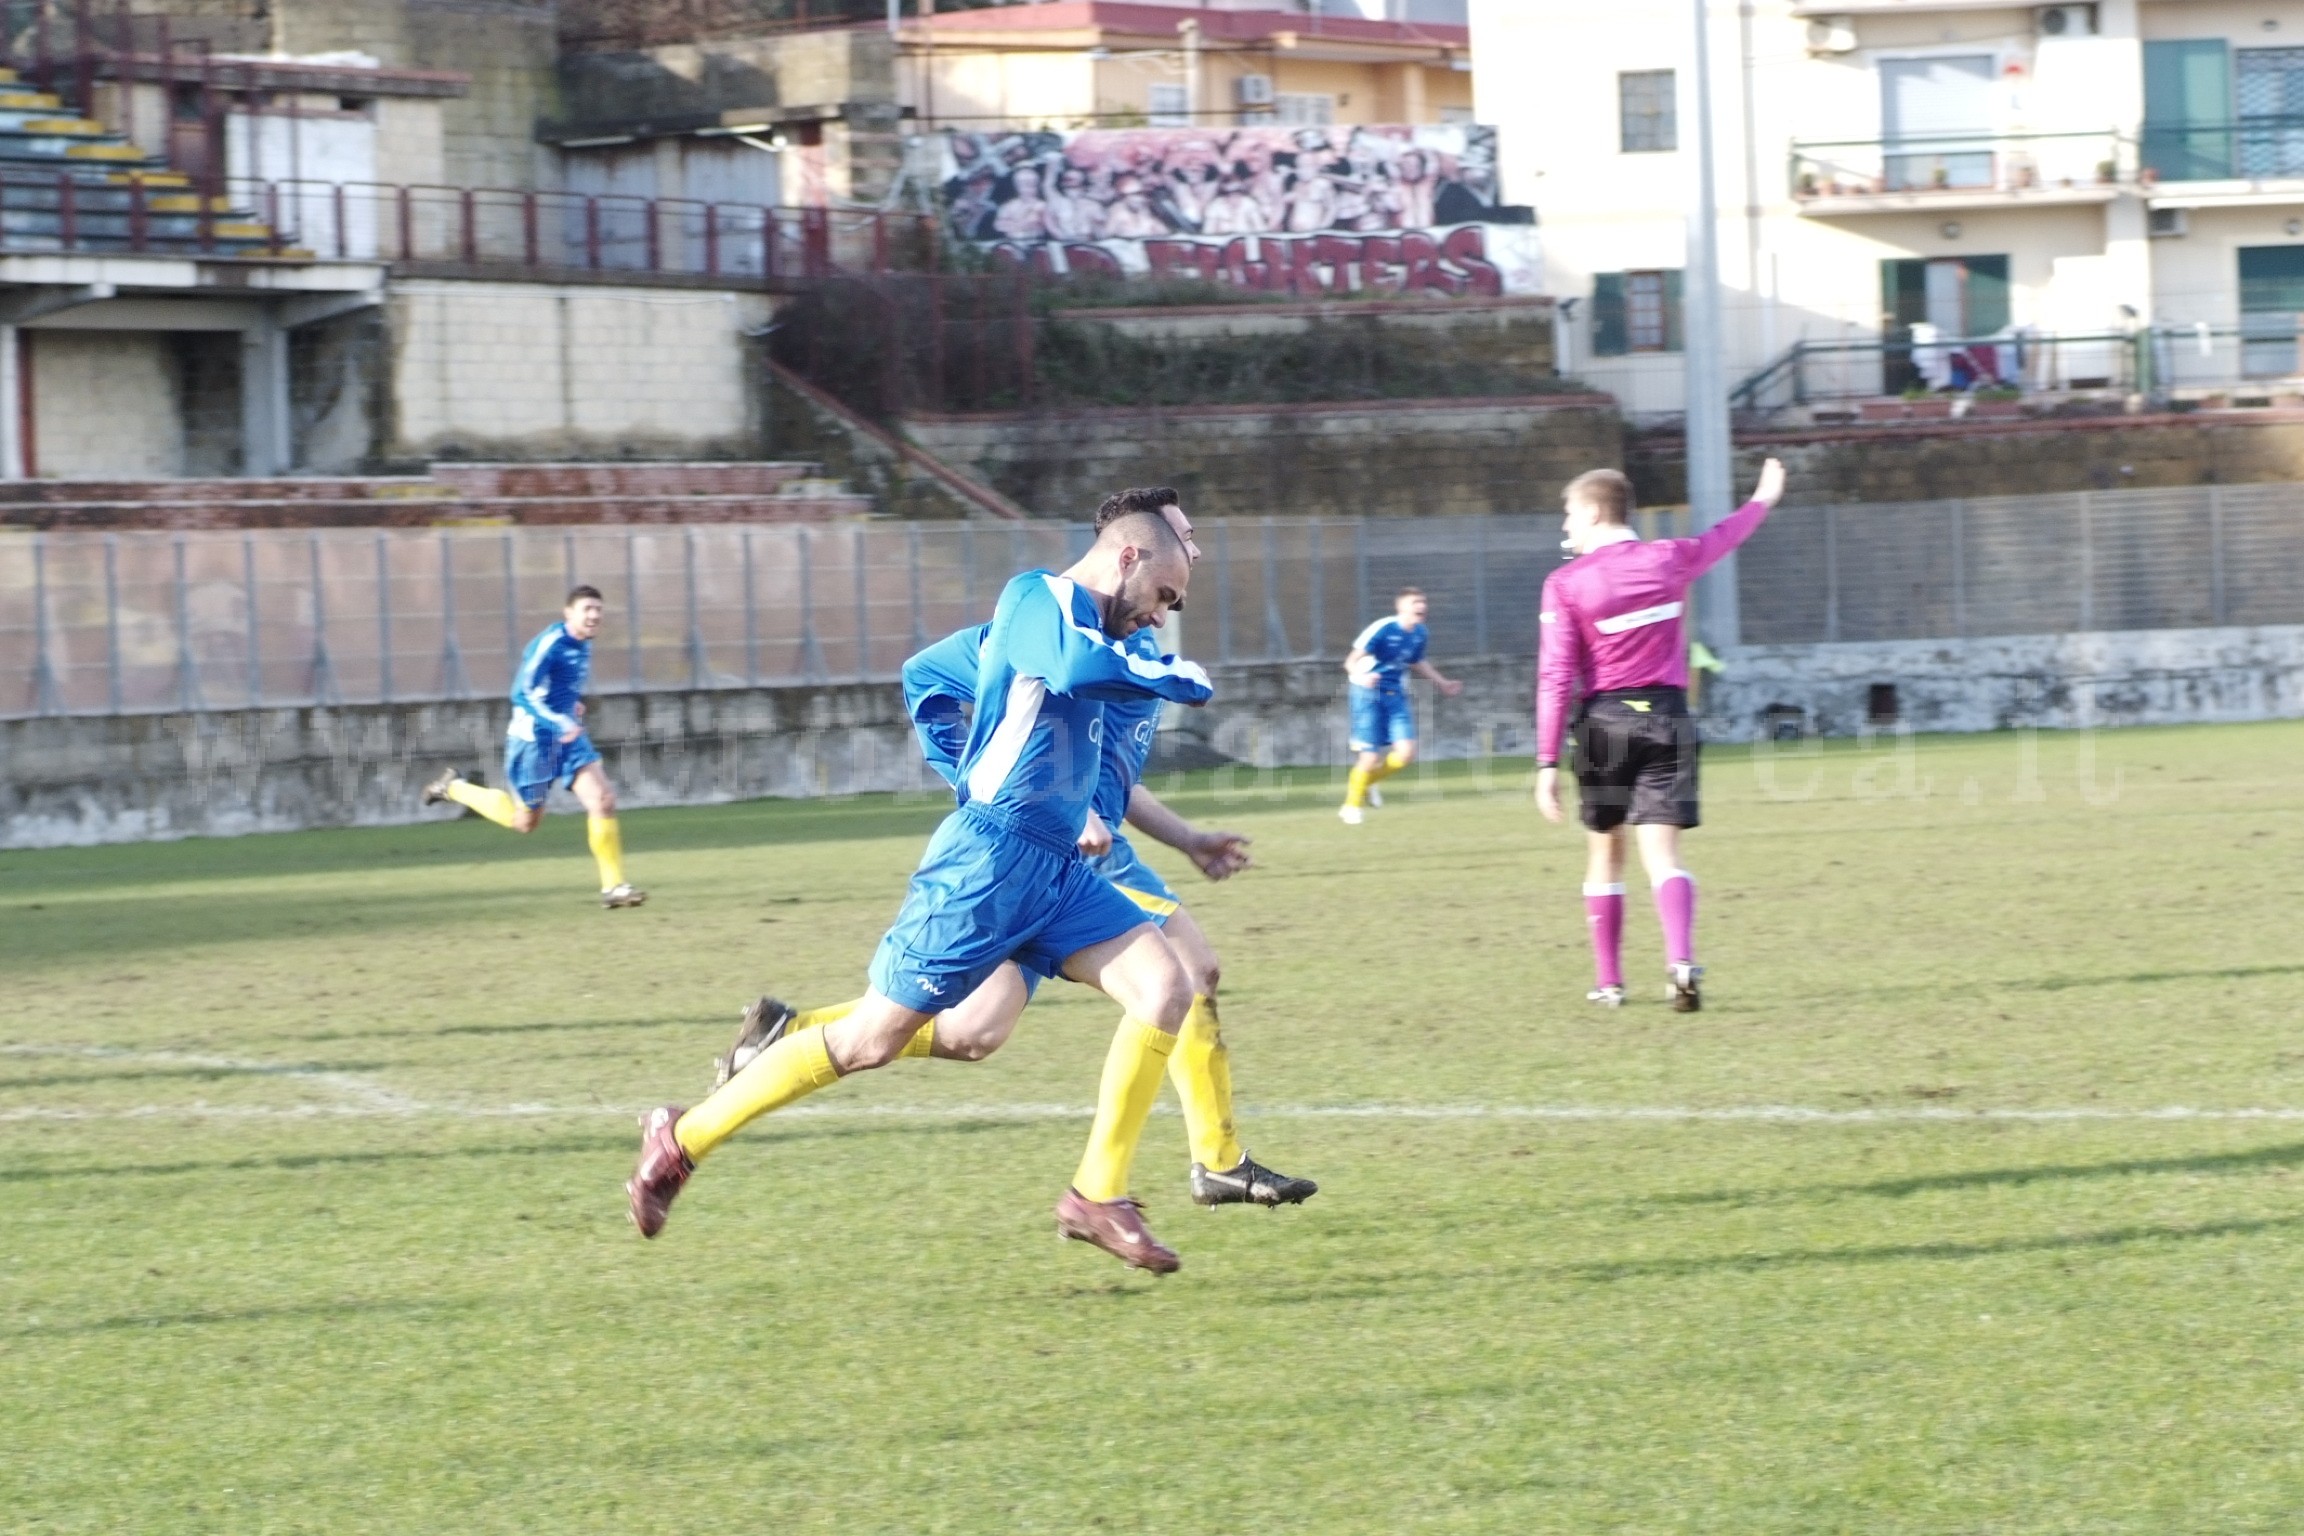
(1304,107)
(2271,303)
(1936,115)
(1648,104)
(2270,85)
(2188,109)
(1635,312)
(1172,106)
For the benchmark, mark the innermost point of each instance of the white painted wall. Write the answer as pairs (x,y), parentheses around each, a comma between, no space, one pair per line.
(1791,273)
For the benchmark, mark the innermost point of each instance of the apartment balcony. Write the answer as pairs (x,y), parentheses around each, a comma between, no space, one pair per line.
(1933,173)
(2253,162)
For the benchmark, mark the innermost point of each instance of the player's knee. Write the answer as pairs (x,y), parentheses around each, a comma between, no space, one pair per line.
(966,1046)
(527,821)
(1168,999)
(1205,973)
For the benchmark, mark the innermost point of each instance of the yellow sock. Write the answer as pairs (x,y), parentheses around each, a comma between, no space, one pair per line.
(1356,786)
(788,1071)
(495,804)
(608,847)
(1394,761)
(1201,1069)
(921,1044)
(1123,1103)
(817,1018)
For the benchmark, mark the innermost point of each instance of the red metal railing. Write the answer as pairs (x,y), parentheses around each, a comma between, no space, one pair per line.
(84,209)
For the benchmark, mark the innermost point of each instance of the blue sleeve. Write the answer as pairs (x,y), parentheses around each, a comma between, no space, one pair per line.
(939,685)
(1046,641)
(532,689)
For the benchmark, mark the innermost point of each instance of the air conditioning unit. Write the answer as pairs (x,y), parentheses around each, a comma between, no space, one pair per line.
(2066,20)
(1254,90)
(1832,34)
(2169,223)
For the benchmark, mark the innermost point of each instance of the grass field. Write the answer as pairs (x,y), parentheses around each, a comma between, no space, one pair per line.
(311,1152)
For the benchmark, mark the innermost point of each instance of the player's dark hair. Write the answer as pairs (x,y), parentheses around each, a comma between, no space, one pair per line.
(1145,530)
(1407,592)
(1607,491)
(1143,498)
(581,593)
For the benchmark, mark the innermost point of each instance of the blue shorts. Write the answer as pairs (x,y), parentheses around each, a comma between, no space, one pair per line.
(531,768)
(991,889)
(1136,880)
(1380,717)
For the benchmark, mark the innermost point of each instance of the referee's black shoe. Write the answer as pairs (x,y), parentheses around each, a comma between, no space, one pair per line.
(1248,1183)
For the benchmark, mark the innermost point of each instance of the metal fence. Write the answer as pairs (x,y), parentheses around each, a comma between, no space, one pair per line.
(2030,565)
(100,624)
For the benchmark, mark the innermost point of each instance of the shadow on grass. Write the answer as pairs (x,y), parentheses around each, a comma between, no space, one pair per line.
(624,1145)
(1896,1253)
(541,1027)
(2286,1155)
(208,1317)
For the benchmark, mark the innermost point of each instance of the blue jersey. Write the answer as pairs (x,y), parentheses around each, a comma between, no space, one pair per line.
(1043,677)
(1391,648)
(1128,728)
(550,682)
(940,687)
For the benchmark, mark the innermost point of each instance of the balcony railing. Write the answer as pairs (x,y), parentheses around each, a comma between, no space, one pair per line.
(465,226)
(2248,149)
(1965,164)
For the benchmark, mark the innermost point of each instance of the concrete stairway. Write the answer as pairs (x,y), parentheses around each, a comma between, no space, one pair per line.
(758,491)
(67,182)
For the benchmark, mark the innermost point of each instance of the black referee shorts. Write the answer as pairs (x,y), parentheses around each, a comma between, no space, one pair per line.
(1636,754)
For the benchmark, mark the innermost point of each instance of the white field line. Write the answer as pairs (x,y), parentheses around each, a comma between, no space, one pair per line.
(1747,1114)
(357,1096)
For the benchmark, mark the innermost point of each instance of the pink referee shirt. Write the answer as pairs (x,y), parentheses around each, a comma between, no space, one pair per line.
(1617,618)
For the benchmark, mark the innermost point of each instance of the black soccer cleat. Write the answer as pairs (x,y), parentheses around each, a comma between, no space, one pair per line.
(1685,990)
(1249,1183)
(437,790)
(765,1023)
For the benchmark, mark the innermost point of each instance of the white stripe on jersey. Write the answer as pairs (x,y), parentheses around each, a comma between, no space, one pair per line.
(1000,755)
(1370,633)
(1638,618)
(1141,666)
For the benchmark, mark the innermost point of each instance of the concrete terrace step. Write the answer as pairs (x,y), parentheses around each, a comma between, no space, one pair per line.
(755,477)
(443,512)
(289,488)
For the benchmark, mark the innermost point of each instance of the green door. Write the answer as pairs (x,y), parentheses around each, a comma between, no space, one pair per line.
(2188,109)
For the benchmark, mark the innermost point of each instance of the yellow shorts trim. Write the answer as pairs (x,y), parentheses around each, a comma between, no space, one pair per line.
(1158,906)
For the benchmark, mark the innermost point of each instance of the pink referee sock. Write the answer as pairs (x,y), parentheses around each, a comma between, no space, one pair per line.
(1676,910)
(1604,915)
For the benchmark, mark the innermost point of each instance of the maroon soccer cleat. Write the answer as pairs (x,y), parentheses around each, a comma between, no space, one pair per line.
(1117,1227)
(664,1167)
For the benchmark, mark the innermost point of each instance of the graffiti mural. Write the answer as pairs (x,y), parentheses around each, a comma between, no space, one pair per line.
(1282,209)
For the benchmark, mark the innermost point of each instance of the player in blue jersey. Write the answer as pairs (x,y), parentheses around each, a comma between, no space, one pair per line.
(1003,880)
(939,689)
(545,745)
(1383,716)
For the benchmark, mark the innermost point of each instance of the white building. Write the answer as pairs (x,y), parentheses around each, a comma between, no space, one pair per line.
(2114,189)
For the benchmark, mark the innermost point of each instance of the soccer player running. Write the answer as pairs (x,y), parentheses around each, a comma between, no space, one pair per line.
(545,744)
(1383,716)
(1002,879)
(939,687)
(1613,659)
